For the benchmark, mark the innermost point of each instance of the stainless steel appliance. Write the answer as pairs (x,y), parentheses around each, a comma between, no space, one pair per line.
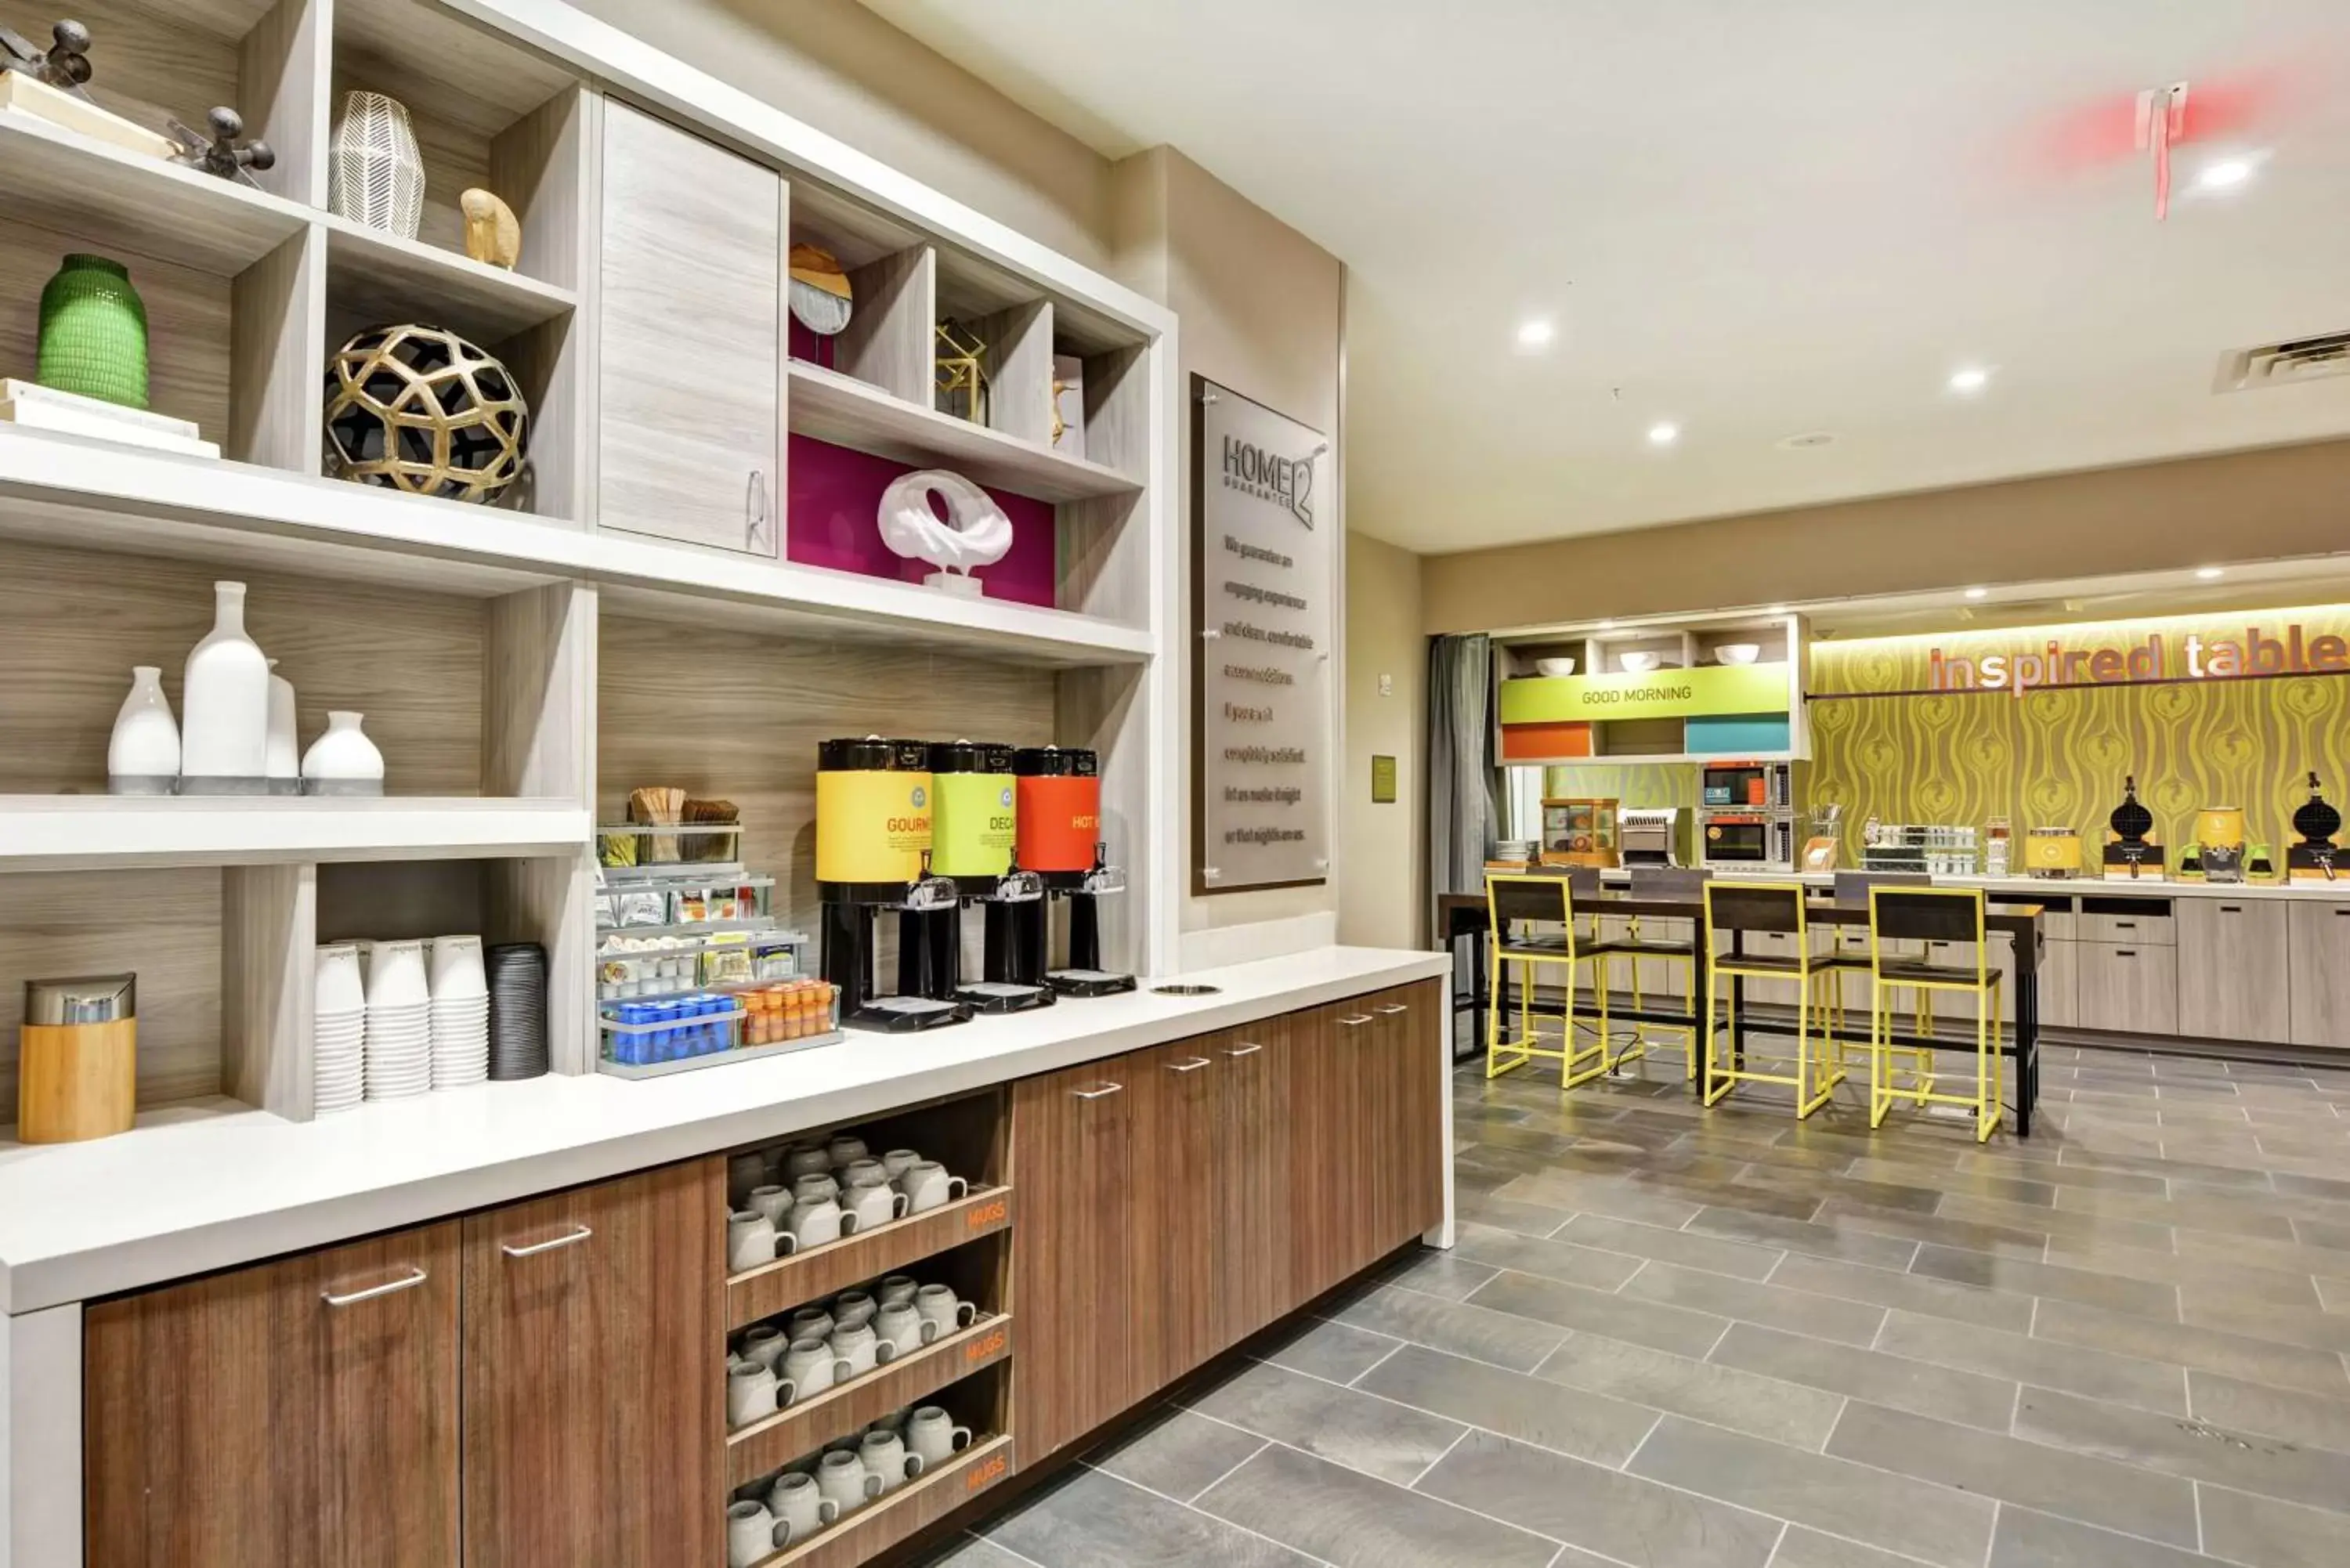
(1649,836)
(1771,786)
(1758,840)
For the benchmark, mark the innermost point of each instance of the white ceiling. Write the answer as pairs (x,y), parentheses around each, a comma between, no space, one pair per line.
(1755,218)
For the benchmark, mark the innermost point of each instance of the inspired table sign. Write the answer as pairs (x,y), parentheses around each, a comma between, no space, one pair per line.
(1261,586)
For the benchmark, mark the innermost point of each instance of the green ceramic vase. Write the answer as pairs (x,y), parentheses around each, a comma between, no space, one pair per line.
(94,332)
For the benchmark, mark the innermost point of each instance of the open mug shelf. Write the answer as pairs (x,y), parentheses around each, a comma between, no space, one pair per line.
(787,1283)
(764,1447)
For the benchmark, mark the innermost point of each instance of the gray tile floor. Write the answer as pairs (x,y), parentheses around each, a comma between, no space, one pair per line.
(1671,1338)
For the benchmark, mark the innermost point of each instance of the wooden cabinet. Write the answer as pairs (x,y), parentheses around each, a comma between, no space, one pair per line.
(1178,1208)
(2130,990)
(1254,1106)
(2319,937)
(1323,1135)
(2234,979)
(1407,1146)
(594,1429)
(299,1413)
(691,323)
(1075,1274)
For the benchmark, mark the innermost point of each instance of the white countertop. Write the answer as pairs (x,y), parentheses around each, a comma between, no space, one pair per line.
(210,1184)
(2081,887)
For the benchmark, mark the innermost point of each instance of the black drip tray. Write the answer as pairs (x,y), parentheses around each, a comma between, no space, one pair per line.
(1186,990)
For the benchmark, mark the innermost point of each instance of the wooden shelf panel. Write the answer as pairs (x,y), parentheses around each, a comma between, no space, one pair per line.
(764,1447)
(385,278)
(97,832)
(915,1506)
(787,1283)
(847,412)
(121,202)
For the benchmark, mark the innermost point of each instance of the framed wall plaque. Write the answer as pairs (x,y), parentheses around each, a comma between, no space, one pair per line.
(1261,609)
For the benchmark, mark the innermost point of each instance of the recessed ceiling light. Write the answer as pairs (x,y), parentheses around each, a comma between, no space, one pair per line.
(1978,593)
(1969,380)
(1537,333)
(2224,174)
(1664,433)
(2210,573)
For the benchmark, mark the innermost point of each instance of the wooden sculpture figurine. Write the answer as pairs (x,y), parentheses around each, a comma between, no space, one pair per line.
(221,157)
(493,234)
(65,65)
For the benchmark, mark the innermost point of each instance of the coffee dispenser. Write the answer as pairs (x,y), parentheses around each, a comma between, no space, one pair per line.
(974,828)
(1059,796)
(873,850)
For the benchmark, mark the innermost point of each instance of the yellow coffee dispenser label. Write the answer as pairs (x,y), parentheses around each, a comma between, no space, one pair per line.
(974,825)
(871,825)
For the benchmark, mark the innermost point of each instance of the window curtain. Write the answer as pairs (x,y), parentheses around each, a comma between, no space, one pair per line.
(1462,799)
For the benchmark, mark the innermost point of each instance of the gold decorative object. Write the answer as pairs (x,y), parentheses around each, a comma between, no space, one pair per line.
(420,409)
(963,383)
(493,234)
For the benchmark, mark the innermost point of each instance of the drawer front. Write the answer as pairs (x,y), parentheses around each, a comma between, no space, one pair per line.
(2130,990)
(2234,982)
(2152,927)
(2320,964)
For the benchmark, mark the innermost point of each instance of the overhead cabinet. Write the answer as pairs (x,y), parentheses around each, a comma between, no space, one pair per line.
(690,333)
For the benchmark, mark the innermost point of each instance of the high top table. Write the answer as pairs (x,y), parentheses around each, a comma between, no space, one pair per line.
(1464,916)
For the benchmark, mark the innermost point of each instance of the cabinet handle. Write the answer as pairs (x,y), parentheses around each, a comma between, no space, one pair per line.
(755,506)
(2232,908)
(2123,952)
(1105,1092)
(2124,925)
(1193,1065)
(1391,1008)
(1245,1051)
(416,1277)
(536,1248)
(1357,1021)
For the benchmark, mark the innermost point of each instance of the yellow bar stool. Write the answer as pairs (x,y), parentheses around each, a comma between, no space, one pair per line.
(1658,882)
(1852,950)
(1931,915)
(1515,903)
(1756,909)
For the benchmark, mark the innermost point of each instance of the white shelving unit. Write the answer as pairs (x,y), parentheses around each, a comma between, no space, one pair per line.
(478,632)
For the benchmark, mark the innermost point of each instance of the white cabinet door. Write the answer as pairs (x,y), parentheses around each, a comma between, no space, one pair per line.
(2234,979)
(2320,961)
(691,318)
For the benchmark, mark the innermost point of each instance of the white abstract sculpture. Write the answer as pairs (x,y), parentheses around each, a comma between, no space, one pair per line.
(976,532)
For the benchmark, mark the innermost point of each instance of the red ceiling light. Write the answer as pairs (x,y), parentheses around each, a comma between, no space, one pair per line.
(2161,120)
(2155,122)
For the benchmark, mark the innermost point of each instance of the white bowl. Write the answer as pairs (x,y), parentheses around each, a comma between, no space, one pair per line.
(1639,662)
(1738,652)
(1555,666)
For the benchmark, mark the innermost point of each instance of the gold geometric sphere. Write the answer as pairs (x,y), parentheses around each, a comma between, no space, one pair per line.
(420,409)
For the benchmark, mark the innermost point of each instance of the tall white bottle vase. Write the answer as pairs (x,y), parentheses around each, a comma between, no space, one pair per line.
(374,170)
(225,743)
(283,763)
(144,755)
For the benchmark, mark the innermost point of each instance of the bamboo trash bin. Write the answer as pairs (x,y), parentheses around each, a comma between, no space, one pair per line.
(78,1061)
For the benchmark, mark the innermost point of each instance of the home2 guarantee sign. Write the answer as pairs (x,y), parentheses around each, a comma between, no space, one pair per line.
(1261,588)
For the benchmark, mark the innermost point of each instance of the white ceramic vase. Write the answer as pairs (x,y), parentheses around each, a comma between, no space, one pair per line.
(343,760)
(143,756)
(375,172)
(225,700)
(284,762)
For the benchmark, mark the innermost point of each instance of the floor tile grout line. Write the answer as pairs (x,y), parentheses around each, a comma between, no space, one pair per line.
(1427,1496)
(1211,1486)
(1210,1514)
(1626,1467)
(1785,1528)
(1458,1439)
(1385,1356)
(1008,1552)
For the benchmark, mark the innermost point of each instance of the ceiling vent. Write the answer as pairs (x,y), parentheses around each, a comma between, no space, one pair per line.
(2284,364)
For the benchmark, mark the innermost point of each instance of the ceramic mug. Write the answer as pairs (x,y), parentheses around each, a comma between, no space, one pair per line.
(853,1305)
(876,1204)
(810,1323)
(885,1457)
(765,1345)
(898,1161)
(894,1421)
(751,1533)
(743,1172)
(815,1189)
(805,1159)
(815,1224)
(938,1307)
(926,1185)
(752,1242)
(843,1481)
(845,1149)
(860,1173)
(903,1328)
(861,1349)
(774,1202)
(794,1499)
(897,1288)
(931,1436)
(813,1367)
(754,1392)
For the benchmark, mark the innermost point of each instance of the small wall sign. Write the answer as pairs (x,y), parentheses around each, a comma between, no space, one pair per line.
(1383,781)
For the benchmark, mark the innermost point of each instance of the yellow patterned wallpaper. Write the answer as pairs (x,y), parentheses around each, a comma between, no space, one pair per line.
(2056,756)
(1628,783)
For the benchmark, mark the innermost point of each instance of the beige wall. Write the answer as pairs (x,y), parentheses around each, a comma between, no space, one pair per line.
(844,70)
(1382,849)
(2284,501)
(1259,309)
